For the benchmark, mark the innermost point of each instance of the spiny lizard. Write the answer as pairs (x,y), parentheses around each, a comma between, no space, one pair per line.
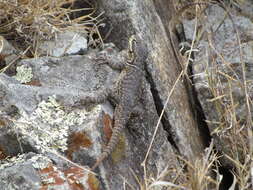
(127,92)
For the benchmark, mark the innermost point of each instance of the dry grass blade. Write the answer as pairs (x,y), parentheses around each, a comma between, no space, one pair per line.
(158,123)
(165,184)
(30,21)
(14,60)
(199,173)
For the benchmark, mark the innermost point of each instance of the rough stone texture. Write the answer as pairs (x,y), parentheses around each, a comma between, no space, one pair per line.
(37,172)
(245,8)
(137,16)
(68,78)
(19,177)
(67,43)
(40,117)
(218,75)
(20,173)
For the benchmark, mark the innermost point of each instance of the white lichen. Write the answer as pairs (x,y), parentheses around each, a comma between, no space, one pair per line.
(48,181)
(11,161)
(40,162)
(47,129)
(46,126)
(24,74)
(37,161)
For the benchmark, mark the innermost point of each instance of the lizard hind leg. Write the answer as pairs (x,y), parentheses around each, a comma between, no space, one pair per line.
(116,132)
(97,97)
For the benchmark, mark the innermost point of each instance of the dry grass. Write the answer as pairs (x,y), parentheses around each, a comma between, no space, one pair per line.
(201,173)
(232,127)
(31,21)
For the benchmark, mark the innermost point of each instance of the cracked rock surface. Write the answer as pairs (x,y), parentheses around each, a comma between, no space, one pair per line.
(136,17)
(40,117)
(218,76)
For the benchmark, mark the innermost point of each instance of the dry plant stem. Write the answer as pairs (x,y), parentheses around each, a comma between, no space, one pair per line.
(35,21)
(249,121)
(198,172)
(192,45)
(242,169)
(228,79)
(66,159)
(125,182)
(157,126)
(183,72)
(13,61)
(251,153)
(136,178)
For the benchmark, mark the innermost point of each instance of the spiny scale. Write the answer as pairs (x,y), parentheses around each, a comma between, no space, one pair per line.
(128,92)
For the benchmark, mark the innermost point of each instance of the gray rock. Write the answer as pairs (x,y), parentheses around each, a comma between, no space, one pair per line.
(68,78)
(48,121)
(20,172)
(19,177)
(218,75)
(142,18)
(67,43)
(34,171)
(244,8)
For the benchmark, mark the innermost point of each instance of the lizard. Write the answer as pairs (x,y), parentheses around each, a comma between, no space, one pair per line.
(126,93)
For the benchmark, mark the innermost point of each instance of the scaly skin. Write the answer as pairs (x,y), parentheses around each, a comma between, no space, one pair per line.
(128,93)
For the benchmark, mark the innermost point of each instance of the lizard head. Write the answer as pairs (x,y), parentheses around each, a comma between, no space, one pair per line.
(137,50)
(131,49)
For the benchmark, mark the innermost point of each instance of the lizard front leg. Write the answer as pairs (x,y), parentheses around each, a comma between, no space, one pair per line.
(112,58)
(96,97)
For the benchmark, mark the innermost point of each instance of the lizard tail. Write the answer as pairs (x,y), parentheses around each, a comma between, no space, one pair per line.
(110,146)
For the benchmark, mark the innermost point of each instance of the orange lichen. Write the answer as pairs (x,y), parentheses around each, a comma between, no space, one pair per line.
(93,182)
(2,61)
(72,178)
(3,56)
(73,175)
(78,172)
(33,83)
(47,169)
(51,172)
(107,126)
(76,141)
